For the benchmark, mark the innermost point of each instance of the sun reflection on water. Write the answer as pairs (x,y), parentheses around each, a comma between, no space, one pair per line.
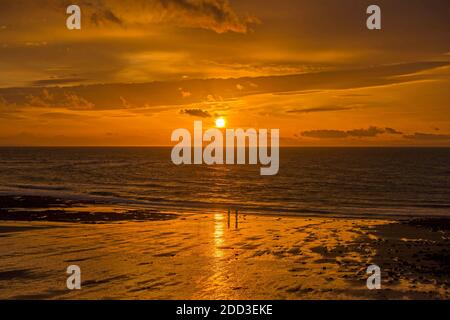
(219,228)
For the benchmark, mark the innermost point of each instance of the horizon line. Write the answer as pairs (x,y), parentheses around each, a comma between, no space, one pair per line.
(170,146)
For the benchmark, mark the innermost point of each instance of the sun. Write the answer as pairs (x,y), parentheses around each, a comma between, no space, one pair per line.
(220,123)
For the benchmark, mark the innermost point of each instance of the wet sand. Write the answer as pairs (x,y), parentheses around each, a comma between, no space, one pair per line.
(203,256)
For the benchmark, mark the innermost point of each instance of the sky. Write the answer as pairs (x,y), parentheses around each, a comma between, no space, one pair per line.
(139,69)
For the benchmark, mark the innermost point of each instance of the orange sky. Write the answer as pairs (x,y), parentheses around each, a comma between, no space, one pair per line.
(140,69)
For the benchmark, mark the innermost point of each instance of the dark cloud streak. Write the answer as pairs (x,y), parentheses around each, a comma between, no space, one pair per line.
(156,94)
(428,136)
(319,109)
(196,113)
(340,134)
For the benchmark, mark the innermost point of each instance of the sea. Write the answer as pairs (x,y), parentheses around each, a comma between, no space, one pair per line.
(363,182)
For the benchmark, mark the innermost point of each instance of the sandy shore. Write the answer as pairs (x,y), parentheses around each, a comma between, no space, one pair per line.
(202,256)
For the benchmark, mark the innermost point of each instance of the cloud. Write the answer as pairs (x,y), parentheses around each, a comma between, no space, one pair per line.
(156,94)
(9,111)
(320,109)
(75,102)
(52,82)
(340,134)
(325,134)
(64,116)
(392,131)
(196,113)
(363,133)
(102,14)
(427,136)
(6,106)
(216,15)
(36,44)
(60,99)
(184,93)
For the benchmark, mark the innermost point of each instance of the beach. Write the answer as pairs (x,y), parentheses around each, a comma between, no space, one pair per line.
(140,227)
(203,255)
(224,150)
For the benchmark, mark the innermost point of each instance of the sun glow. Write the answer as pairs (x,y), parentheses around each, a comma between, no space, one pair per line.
(220,123)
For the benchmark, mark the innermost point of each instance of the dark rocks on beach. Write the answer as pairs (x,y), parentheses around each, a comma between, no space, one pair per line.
(435,224)
(84,217)
(43,208)
(30,201)
(412,250)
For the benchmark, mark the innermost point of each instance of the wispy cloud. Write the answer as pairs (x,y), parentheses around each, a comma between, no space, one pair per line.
(428,136)
(111,96)
(196,113)
(393,131)
(56,81)
(216,15)
(319,109)
(341,134)
(60,99)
